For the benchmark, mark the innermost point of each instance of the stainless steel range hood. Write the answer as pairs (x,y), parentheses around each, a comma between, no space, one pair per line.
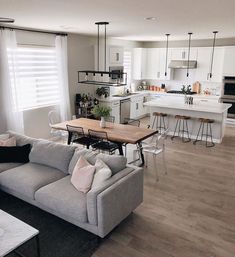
(179,64)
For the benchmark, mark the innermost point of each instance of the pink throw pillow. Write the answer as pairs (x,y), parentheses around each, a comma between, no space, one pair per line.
(83,175)
(8,142)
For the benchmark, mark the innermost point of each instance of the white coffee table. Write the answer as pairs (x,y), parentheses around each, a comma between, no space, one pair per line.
(14,233)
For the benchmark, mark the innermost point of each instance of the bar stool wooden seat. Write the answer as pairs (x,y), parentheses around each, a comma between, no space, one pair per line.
(182,120)
(159,119)
(208,133)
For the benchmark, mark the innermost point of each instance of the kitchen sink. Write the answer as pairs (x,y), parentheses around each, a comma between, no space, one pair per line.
(124,95)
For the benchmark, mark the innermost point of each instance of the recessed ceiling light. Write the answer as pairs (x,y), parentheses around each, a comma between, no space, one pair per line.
(150,18)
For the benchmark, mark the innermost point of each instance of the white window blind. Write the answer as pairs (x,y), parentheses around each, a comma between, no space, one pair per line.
(34,77)
(127,66)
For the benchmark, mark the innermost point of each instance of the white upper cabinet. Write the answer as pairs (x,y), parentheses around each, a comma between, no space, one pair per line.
(182,54)
(217,68)
(204,64)
(116,56)
(229,61)
(152,63)
(149,63)
(163,64)
(137,63)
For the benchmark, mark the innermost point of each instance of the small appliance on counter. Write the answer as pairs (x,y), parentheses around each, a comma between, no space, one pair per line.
(196,87)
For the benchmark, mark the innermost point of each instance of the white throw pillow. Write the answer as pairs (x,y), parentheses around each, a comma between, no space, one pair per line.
(102,173)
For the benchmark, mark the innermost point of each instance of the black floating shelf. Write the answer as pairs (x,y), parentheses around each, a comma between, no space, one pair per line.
(113,77)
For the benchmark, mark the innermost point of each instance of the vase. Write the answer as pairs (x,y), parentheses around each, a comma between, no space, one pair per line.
(102,122)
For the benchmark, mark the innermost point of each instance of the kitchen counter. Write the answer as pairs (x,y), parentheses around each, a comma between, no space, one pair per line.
(119,98)
(216,111)
(208,108)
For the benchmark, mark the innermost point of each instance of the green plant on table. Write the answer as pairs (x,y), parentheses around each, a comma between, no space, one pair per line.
(101,111)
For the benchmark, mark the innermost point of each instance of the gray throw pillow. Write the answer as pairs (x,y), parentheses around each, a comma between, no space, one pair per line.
(115,162)
(89,155)
(52,154)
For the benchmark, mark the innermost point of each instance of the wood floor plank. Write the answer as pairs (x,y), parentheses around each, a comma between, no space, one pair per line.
(190,212)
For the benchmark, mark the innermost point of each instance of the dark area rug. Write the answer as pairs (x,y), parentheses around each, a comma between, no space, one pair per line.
(58,238)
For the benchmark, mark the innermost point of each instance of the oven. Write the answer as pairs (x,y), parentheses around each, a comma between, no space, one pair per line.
(231,110)
(228,89)
(228,94)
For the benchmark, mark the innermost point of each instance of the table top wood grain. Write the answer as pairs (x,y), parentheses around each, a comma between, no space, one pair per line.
(116,132)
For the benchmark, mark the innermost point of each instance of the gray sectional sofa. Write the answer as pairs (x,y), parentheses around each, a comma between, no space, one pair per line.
(45,182)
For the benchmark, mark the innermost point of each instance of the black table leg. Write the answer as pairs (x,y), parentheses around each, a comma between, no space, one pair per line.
(38,246)
(120,148)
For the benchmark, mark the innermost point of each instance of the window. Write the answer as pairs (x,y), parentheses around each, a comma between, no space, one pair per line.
(127,66)
(34,77)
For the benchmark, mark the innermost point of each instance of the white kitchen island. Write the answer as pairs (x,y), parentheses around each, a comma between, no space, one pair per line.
(215,111)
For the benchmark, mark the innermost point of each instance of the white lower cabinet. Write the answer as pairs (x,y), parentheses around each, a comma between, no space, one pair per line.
(137,107)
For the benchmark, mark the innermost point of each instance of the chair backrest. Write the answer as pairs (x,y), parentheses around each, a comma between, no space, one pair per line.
(110,119)
(101,135)
(132,122)
(75,130)
(53,117)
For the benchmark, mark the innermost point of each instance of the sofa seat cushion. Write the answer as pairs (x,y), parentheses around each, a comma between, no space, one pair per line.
(28,178)
(63,198)
(8,166)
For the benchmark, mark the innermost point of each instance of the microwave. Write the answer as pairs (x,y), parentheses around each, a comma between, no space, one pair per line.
(117,73)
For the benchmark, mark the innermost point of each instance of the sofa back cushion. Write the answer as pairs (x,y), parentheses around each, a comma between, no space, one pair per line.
(21,139)
(52,154)
(115,162)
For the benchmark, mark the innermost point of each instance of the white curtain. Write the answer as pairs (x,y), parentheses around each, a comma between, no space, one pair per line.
(62,60)
(13,116)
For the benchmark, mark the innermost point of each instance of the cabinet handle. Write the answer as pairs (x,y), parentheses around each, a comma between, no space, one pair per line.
(183,55)
(137,106)
(117,57)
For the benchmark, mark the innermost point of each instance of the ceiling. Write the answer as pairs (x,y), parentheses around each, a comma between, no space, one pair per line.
(177,17)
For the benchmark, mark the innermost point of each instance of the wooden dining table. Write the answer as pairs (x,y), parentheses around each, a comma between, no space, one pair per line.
(118,133)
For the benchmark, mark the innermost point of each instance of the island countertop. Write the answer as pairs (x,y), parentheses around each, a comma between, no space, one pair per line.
(209,108)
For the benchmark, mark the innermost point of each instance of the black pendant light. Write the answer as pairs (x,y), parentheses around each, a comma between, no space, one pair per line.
(6,20)
(112,78)
(102,23)
(167,48)
(189,48)
(213,51)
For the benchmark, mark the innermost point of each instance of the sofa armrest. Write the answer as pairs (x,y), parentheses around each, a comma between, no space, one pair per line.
(116,202)
(93,193)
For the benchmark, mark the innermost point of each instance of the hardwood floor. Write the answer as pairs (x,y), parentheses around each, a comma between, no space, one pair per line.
(190,212)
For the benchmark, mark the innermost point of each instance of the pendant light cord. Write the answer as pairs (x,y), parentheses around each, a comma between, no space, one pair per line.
(189,48)
(98,45)
(105,39)
(167,46)
(213,51)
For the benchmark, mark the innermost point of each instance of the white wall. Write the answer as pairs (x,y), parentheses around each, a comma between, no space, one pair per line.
(80,57)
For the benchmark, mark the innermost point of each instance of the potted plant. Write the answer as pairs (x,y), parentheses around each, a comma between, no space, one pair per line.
(102,91)
(101,112)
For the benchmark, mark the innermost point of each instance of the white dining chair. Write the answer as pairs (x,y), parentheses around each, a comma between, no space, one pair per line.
(53,118)
(154,147)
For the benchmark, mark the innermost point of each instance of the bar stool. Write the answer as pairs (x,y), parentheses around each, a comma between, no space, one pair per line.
(159,118)
(183,130)
(208,133)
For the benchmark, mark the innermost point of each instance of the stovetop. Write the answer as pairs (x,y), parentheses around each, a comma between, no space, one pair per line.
(179,92)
